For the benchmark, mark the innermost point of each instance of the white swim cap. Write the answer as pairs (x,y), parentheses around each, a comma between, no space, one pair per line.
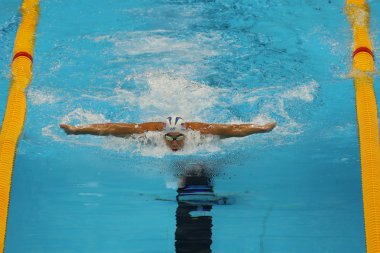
(174,124)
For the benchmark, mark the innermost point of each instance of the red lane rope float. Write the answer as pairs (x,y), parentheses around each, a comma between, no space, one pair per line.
(363,49)
(22,53)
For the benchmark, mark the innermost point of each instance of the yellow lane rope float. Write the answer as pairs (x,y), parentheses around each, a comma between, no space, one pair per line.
(13,122)
(363,68)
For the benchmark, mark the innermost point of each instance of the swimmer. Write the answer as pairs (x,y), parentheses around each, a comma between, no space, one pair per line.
(173,129)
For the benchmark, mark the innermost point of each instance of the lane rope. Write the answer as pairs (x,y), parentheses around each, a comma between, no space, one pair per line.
(363,68)
(14,117)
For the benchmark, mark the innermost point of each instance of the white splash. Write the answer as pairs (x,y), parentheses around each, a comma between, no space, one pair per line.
(303,92)
(166,94)
(180,95)
(161,41)
(274,108)
(39,97)
(81,116)
(48,132)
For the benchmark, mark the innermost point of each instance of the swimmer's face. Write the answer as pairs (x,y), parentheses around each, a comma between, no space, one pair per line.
(174,140)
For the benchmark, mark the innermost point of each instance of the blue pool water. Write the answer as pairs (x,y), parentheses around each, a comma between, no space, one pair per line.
(296,189)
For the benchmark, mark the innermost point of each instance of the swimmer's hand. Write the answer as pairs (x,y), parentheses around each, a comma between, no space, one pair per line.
(68,128)
(269,127)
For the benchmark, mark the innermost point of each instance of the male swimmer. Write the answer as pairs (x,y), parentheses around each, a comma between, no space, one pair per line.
(173,129)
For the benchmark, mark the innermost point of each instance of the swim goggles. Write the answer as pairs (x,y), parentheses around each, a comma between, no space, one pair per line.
(179,137)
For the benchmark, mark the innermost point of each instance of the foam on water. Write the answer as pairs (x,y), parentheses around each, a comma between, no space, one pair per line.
(276,108)
(39,97)
(304,92)
(80,116)
(52,132)
(162,42)
(163,94)
(168,94)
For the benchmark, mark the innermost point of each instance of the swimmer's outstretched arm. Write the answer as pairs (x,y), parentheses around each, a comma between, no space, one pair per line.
(230,130)
(114,129)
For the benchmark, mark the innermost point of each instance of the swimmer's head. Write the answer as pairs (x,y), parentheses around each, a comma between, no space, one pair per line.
(174,124)
(174,133)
